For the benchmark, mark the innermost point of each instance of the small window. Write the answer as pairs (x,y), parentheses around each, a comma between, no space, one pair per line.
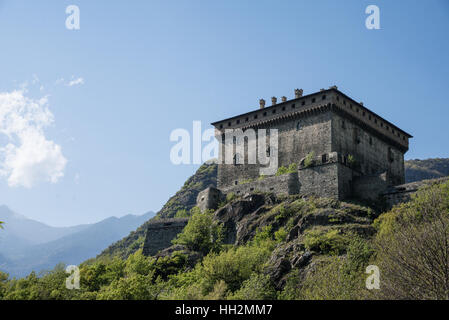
(238,121)
(370,141)
(293,106)
(338,98)
(255,116)
(313,100)
(274,111)
(246,119)
(229,124)
(350,106)
(265,114)
(283,108)
(343,125)
(344,102)
(221,126)
(268,152)
(303,103)
(324,158)
(363,113)
(323,97)
(375,121)
(298,126)
(357,110)
(369,117)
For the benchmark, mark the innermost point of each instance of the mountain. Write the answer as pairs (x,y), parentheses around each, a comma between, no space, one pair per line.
(20,254)
(417,170)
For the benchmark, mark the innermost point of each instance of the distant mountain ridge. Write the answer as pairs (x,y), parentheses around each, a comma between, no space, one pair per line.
(417,170)
(22,252)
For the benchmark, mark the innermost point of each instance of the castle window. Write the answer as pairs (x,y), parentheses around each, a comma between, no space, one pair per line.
(274,111)
(363,113)
(382,124)
(236,182)
(313,100)
(268,151)
(403,138)
(293,106)
(229,124)
(375,121)
(350,106)
(221,126)
(246,119)
(265,114)
(303,103)
(338,98)
(370,141)
(324,158)
(298,126)
(343,125)
(255,116)
(283,108)
(369,117)
(324,97)
(236,159)
(238,121)
(344,102)
(357,110)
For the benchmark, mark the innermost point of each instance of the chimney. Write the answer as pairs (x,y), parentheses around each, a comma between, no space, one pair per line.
(322,89)
(333,87)
(298,93)
(283,98)
(262,103)
(273,101)
(361,103)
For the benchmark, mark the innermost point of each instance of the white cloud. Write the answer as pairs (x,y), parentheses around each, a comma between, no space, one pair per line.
(27,157)
(74,82)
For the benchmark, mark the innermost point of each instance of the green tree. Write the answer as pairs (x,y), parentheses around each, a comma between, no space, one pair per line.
(413,247)
(202,233)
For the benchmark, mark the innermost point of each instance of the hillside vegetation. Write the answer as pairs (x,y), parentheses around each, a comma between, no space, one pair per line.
(284,248)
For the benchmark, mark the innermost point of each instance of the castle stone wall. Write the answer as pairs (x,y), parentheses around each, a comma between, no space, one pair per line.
(160,233)
(370,187)
(284,184)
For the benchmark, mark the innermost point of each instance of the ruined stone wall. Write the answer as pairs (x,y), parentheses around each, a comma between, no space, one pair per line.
(284,184)
(160,233)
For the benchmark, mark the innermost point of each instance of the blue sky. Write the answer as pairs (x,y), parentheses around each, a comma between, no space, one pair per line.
(149,67)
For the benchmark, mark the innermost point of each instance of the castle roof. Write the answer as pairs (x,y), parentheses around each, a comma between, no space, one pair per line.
(319,101)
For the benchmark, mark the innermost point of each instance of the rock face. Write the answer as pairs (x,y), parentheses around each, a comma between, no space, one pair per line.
(243,217)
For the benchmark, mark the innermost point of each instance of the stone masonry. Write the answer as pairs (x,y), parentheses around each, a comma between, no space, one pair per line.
(356,153)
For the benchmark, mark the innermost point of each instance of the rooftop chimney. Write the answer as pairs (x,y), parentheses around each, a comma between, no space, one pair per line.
(333,87)
(283,98)
(361,103)
(262,103)
(273,101)
(322,89)
(298,93)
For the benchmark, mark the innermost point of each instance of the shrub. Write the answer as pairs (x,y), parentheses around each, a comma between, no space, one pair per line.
(202,233)
(331,241)
(309,159)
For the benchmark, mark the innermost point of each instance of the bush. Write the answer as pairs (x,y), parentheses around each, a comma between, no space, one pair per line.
(330,242)
(257,287)
(202,233)
(309,159)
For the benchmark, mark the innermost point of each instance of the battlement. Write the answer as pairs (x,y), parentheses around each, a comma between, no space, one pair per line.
(323,100)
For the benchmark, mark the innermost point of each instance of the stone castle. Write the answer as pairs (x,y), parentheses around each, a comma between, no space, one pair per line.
(333,146)
(340,148)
